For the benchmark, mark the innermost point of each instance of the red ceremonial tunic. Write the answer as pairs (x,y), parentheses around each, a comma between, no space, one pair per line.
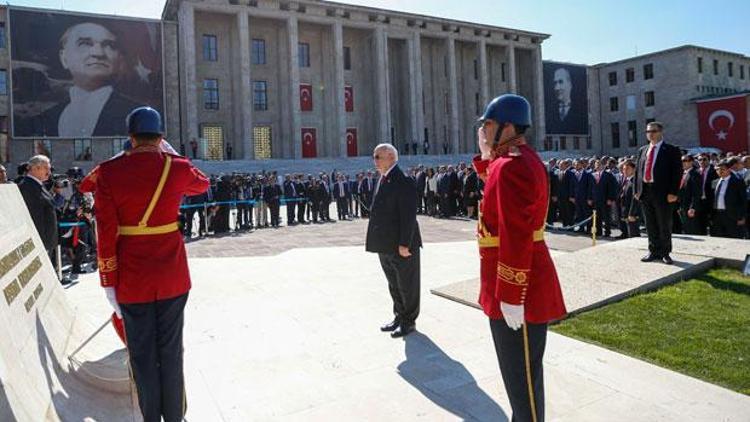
(143,268)
(519,270)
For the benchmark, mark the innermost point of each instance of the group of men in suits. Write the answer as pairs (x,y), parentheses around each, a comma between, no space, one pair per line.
(447,191)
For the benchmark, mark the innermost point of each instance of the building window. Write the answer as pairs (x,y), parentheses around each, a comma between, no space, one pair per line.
(445,66)
(700,64)
(3,82)
(730,69)
(82,149)
(547,143)
(576,142)
(563,143)
(630,102)
(502,71)
(427,135)
(649,120)
(615,131)
(588,143)
(118,145)
(612,78)
(303,50)
(742,72)
(632,134)
(614,104)
(210,48)
(262,142)
(476,104)
(260,95)
(259,51)
(649,98)
(716,67)
(347,58)
(212,137)
(3,41)
(648,71)
(629,74)
(211,94)
(476,69)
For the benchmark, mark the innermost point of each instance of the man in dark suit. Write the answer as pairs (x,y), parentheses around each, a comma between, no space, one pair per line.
(39,201)
(290,194)
(629,206)
(583,198)
(657,185)
(566,193)
(366,186)
(301,189)
(340,193)
(728,219)
(272,195)
(603,192)
(554,191)
(690,194)
(705,202)
(393,233)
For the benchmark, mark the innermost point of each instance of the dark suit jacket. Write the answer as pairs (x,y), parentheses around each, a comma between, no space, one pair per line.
(567,188)
(111,119)
(393,215)
(554,183)
(337,190)
(734,198)
(42,209)
(705,188)
(583,190)
(667,171)
(574,123)
(690,193)
(288,191)
(605,190)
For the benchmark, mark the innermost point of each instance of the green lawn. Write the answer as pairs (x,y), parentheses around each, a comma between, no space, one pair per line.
(700,327)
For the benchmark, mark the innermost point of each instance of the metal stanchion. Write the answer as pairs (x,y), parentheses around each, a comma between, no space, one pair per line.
(593,228)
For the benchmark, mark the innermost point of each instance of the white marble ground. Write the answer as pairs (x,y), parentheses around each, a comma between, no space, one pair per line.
(295,337)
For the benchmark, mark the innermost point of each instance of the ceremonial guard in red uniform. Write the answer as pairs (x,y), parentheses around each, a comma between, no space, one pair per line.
(520,292)
(142,260)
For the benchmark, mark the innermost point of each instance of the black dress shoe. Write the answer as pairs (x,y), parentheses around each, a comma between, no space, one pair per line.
(391,326)
(667,260)
(650,257)
(403,331)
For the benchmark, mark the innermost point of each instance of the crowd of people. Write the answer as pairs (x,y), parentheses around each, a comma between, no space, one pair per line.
(714,195)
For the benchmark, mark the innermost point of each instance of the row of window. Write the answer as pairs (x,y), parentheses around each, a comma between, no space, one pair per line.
(706,89)
(632,132)
(258,52)
(562,144)
(715,68)
(648,73)
(649,100)
(260,96)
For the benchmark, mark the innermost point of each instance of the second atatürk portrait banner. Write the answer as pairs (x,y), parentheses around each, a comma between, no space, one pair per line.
(565,99)
(77,76)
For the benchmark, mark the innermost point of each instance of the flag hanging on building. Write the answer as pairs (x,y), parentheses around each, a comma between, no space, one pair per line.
(351,142)
(305,97)
(723,123)
(348,99)
(309,143)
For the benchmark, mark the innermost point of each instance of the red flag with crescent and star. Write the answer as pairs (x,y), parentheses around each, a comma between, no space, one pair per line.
(348,99)
(309,143)
(305,97)
(723,123)
(351,142)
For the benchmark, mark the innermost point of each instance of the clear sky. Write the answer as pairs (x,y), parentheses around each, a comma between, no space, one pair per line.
(582,31)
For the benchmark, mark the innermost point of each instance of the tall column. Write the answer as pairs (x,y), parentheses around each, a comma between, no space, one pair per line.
(381,71)
(246,94)
(186,22)
(453,83)
(511,53)
(484,87)
(339,102)
(416,113)
(539,125)
(295,120)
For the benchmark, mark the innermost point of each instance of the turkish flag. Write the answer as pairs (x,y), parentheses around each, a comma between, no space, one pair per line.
(309,143)
(349,99)
(305,97)
(723,123)
(351,142)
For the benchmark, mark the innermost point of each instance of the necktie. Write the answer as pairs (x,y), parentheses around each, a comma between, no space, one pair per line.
(598,176)
(648,177)
(683,182)
(704,173)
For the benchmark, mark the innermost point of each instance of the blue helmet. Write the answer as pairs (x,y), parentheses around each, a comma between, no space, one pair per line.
(508,108)
(144,120)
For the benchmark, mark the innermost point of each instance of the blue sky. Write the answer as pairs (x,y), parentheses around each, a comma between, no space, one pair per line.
(583,31)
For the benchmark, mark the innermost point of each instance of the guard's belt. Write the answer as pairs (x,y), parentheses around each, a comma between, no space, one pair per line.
(142,228)
(494,241)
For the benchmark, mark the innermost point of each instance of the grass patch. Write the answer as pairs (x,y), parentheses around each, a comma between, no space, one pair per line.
(699,327)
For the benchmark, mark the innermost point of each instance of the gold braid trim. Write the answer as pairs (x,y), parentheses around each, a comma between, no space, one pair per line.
(512,275)
(107,265)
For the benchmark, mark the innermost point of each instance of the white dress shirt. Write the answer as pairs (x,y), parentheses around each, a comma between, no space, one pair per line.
(80,116)
(721,191)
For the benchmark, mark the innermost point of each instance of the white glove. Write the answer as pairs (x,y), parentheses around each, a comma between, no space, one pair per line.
(112,298)
(513,314)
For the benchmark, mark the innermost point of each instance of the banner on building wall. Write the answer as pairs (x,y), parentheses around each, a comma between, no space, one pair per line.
(78,76)
(565,99)
(348,99)
(722,123)
(351,142)
(309,143)
(305,97)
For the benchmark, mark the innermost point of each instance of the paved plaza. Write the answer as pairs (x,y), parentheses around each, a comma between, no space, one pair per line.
(283,332)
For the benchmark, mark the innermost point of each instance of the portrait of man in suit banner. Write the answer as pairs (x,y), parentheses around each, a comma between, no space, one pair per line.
(76,76)
(565,99)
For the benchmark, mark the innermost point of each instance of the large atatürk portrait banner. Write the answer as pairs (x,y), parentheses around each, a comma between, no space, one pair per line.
(78,76)
(565,99)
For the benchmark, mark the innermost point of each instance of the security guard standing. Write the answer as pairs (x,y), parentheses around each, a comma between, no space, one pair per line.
(520,292)
(142,260)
